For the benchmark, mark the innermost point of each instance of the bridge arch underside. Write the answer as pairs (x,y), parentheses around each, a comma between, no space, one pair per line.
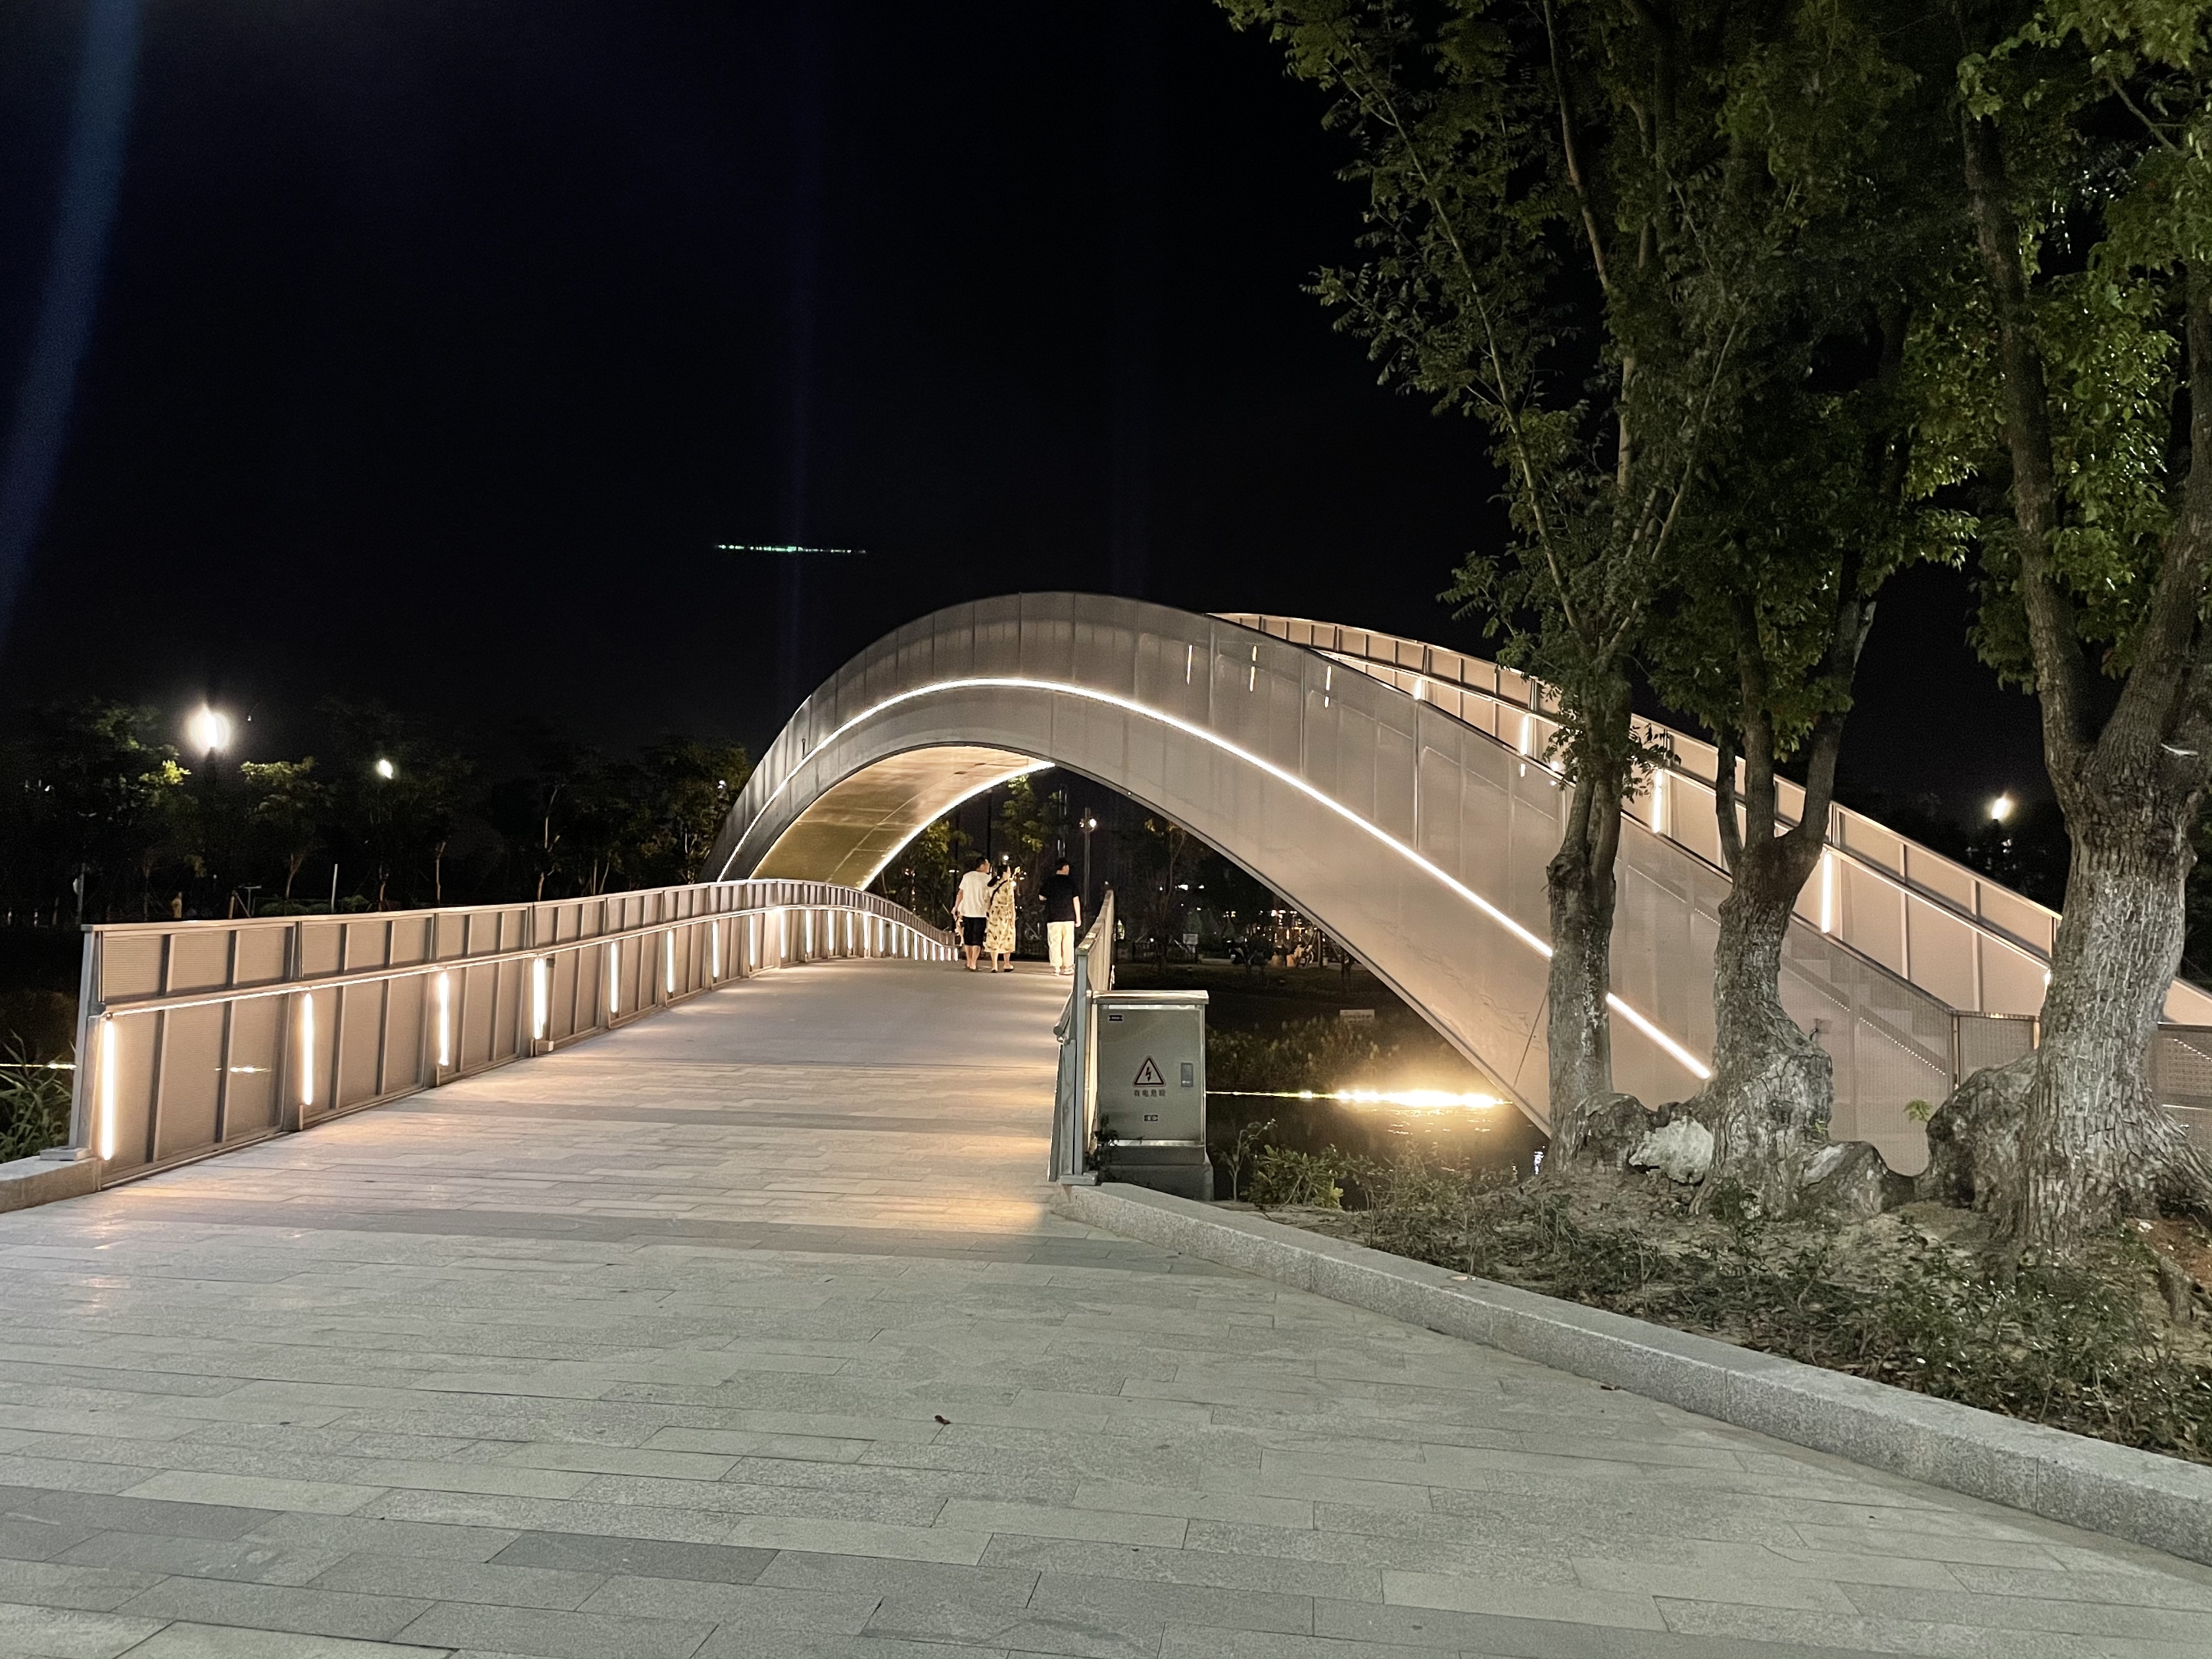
(1473,975)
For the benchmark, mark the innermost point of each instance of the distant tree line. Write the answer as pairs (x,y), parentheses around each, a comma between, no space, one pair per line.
(103,819)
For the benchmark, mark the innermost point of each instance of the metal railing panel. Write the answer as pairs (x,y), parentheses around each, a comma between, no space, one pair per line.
(1075,1090)
(202,1036)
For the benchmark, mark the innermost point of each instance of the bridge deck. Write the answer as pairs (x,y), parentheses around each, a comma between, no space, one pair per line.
(744,1332)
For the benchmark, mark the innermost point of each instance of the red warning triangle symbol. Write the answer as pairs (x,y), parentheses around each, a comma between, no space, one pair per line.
(1148,1076)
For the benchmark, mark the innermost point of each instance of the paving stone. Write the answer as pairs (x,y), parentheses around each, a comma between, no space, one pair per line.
(203,1558)
(840,1613)
(545,1635)
(229,1642)
(34,1633)
(459,1581)
(746,1332)
(274,1607)
(637,1558)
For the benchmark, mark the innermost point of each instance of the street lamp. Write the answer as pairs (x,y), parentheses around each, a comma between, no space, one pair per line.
(1089,823)
(385,769)
(2001,809)
(207,731)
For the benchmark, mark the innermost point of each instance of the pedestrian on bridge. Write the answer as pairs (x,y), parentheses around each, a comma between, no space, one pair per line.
(1063,914)
(972,906)
(999,933)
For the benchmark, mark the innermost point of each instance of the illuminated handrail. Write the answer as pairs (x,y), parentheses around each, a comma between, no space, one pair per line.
(1075,1096)
(2008,937)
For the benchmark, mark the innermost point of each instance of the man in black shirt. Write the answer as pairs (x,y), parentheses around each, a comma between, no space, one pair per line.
(1063,912)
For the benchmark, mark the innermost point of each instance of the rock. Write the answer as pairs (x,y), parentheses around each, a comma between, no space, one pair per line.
(1682,1151)
(1849,1181)
(1601,1131)
(1973,1138)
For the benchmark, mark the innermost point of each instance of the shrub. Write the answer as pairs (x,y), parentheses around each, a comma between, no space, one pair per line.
(1281,1178)
(2082,1345)
(1319,1054)
(34,1104)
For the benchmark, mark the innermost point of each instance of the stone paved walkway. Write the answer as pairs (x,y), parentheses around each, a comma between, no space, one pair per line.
(742,1333)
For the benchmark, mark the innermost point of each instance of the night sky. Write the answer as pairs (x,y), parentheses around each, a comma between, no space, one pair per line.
(441,342)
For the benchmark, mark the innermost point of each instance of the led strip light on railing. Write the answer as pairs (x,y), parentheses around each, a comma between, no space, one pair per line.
(1689,1062)
(540,959)
(1834,854)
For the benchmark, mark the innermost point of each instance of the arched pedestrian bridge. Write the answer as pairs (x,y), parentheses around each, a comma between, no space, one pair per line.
(1397,794)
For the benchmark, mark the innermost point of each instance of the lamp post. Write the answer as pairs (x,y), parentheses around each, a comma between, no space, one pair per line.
(1089,823)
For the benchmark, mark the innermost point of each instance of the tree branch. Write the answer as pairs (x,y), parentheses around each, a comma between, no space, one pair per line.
(2062,672)
(1724,799)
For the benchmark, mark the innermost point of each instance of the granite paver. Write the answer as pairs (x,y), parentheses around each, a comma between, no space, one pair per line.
(746,1330)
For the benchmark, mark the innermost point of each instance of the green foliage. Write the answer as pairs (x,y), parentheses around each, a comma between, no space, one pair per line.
(1509,173)
(35,1103)
(85,785)
(688,789)
(2101,110)
(1283,1179)
(1237,1156)
(1302,1053)
(1160,855)
(926,870)
(1822,229)
(290,807)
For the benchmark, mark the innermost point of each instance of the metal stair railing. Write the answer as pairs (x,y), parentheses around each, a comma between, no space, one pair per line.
(1075,1092)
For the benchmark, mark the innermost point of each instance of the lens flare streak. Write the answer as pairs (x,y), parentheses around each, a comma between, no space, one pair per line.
(1410,1100)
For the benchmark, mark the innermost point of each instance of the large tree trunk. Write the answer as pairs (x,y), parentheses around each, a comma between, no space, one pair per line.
(2094,1143)
(1768,1100)
(1580,883)
(1580,886)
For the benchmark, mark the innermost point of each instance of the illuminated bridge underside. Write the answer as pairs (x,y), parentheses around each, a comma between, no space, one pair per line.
(857,824)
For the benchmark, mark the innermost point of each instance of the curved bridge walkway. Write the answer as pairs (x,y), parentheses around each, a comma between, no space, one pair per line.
(744,1332)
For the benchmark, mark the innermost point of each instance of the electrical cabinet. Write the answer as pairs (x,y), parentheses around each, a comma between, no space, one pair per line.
(1151,1090)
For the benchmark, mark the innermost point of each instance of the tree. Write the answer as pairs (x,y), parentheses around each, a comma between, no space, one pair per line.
(1518,161)
(86,792)
(398,794)
(1158,851)
(289,806)
(923,873)
(1816,228)
(1030,824)
(2077,338)
(689,787)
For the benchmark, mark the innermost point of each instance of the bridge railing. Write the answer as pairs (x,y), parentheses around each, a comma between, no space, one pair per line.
(197,1037)
(1075,1093)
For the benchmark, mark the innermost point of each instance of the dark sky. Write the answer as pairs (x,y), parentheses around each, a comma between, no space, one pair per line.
(442,340)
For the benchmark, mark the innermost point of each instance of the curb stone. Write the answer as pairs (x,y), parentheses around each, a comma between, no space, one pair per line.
(2143,1497)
